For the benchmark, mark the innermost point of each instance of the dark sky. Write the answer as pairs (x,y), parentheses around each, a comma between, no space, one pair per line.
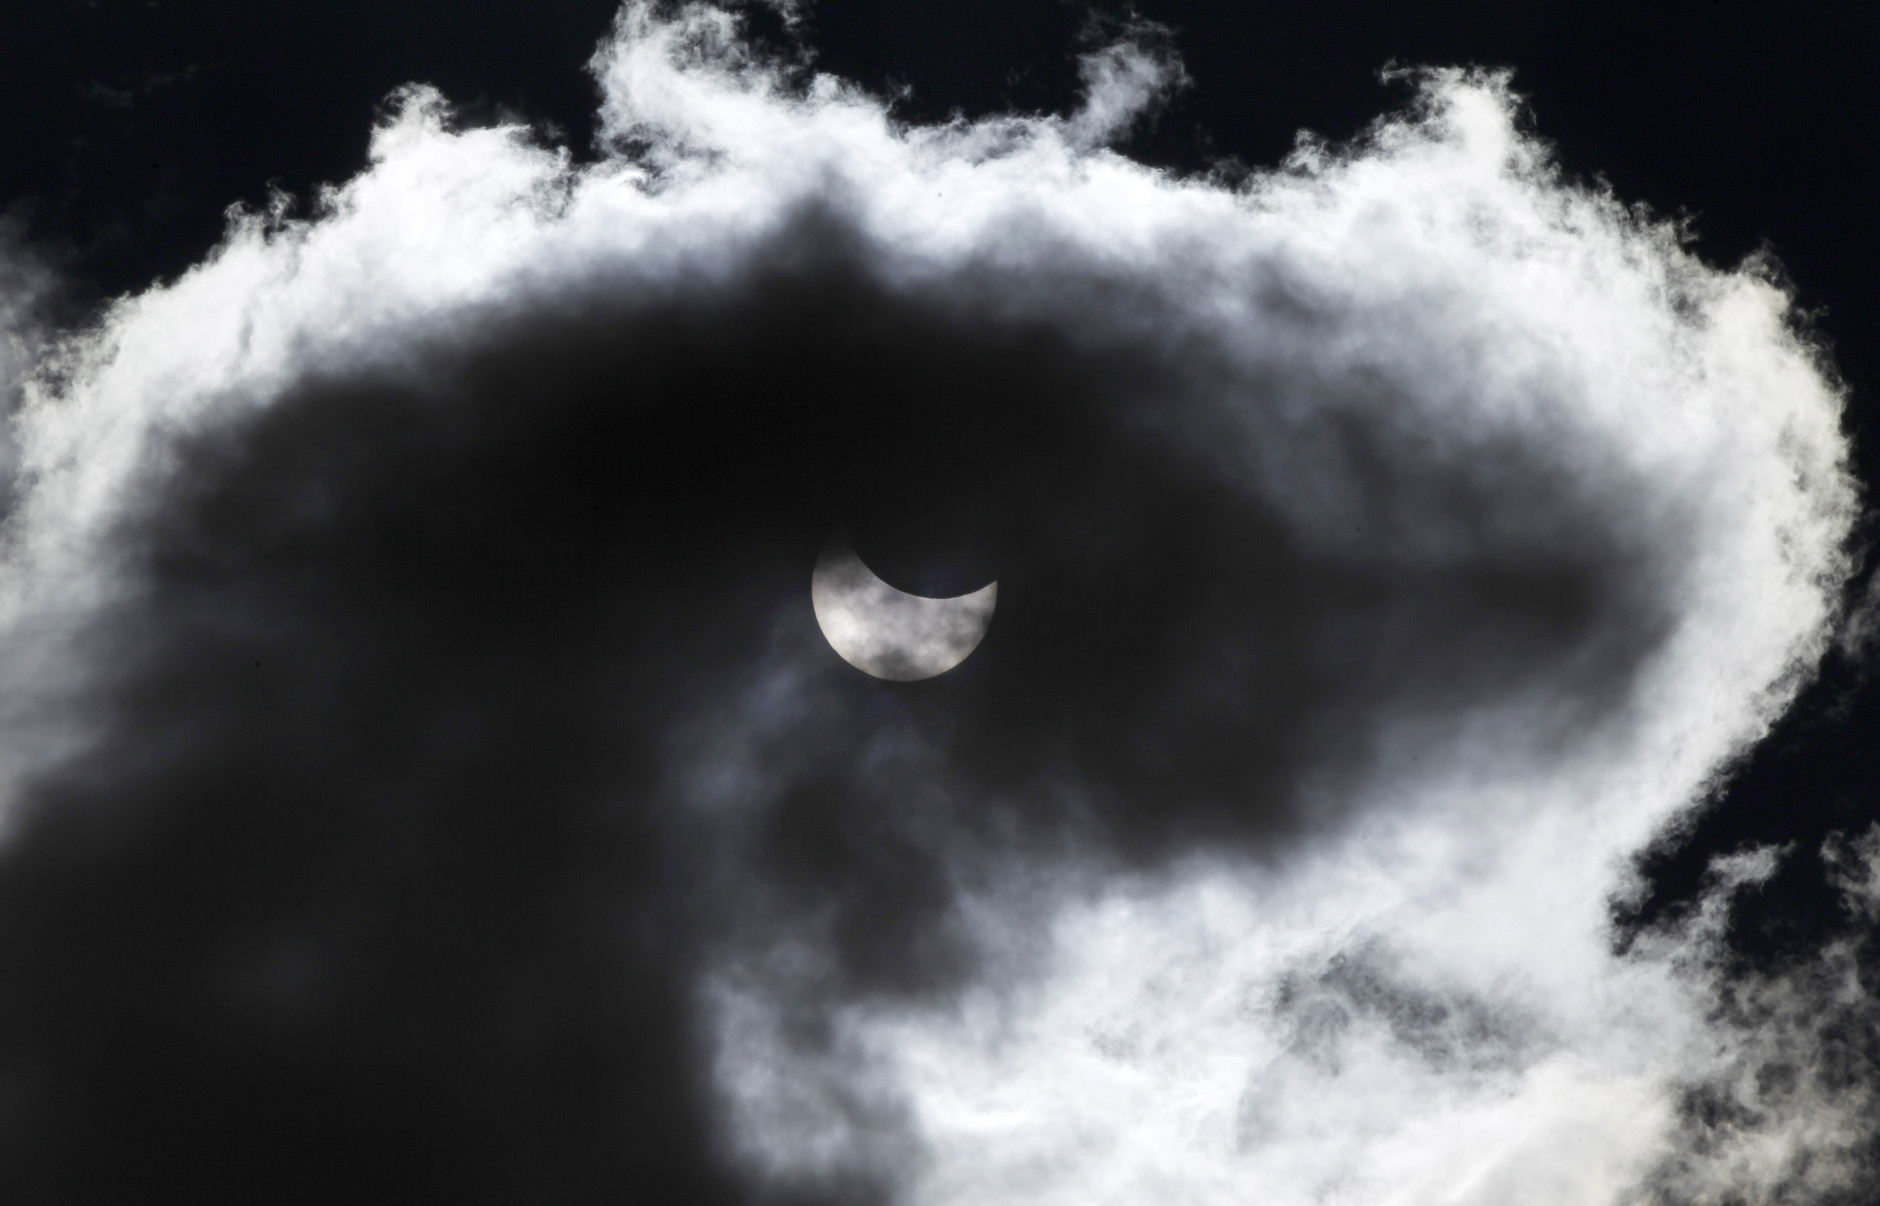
(131,128)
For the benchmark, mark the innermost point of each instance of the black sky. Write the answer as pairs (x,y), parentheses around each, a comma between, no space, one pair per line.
(131,126)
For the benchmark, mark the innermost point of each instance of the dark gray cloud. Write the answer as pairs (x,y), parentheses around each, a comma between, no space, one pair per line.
(429,782)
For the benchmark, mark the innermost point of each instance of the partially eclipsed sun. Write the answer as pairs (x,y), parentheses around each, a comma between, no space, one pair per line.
(887,632)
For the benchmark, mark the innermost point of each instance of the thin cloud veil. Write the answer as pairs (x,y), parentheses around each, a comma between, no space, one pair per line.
(423,774)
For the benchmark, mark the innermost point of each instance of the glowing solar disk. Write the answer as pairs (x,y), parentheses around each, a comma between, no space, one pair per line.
(887,632)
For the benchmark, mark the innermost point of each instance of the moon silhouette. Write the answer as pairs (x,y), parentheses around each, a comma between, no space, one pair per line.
(887,632)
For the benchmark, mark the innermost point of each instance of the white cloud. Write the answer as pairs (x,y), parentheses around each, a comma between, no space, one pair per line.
(1419,1005)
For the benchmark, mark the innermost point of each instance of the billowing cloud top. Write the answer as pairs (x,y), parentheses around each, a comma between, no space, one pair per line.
(424,776)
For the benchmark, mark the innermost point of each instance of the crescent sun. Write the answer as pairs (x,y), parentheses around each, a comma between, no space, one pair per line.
(887,632)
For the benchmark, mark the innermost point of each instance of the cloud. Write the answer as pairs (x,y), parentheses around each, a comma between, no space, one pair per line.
(26,286)
(1780,1109)
(425,775)
(1125,80)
